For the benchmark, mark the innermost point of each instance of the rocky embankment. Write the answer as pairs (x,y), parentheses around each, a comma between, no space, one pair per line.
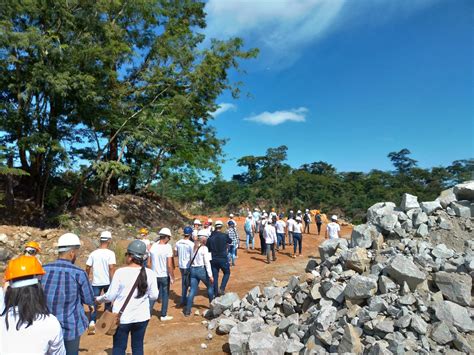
(389,290)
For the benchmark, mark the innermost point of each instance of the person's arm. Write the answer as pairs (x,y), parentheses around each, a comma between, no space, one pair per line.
(152,291)
(88,271)
(111,271)
(338,231)
(85,290)
(170,264)
(56,345)
(111,293)
(207,264)
(326,234)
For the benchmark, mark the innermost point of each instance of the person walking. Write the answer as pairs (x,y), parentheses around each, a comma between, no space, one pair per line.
(232,218)
(280,226)
(261,229)
(333,229)
(297,236)
(201,271)
(256,218)
(26,324)
(183,250)
(233,235)
(197,225)
(144,236)
(306,220)
(319,221)
(67,290)
(161,262)
(249,227)
(102,264)
(290,224)
(137,280)
(218,244)
(270,240)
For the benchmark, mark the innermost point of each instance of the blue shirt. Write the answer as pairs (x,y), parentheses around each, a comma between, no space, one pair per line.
(67,290)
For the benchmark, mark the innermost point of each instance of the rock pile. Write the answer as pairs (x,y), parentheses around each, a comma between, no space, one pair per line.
(364,297)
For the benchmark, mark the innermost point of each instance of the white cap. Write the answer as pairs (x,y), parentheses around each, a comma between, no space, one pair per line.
(165,231)
(68,241)
(209,220)
(197,221)
(334,217)
(218,223)
(231,215)
(105,235)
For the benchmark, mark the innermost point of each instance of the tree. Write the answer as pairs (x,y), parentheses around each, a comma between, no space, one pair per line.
(401,161)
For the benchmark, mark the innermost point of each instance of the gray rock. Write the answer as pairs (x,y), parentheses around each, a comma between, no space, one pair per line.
(462,344)
(350,341)
(3,238)
(377,304)
(225,325)
(4,255)
(446,197)
(403,321)
(379,210)
(464,191)
(254,294)
(388,222)
(283,326)
(422,231)
(402,269)
(430,206)
(409,202)
(316,292)
(239,338)
(220,304)
(420,218)
(418,324)
(336,293)
(311,265)
(357,259)
(363,236)
(326,317)
(329,247)
(272,292)
(293,346)
(441,334)
(263,343)
(462,209)
(294,281)
(441,251)
(360,287)
(386,284)
(385,326)
(453,314)
(455,287)
(443,223)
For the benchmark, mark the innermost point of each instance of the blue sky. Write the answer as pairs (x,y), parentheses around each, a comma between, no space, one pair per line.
(347,81)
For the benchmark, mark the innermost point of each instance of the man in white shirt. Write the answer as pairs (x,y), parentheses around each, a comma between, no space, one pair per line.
(280,230)
(290,224)
(333,230)
(161,262)
(184,250)
(270,240)
(102,264)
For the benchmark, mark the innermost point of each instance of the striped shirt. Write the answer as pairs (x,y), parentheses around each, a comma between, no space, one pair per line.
(232,232)
(67,290)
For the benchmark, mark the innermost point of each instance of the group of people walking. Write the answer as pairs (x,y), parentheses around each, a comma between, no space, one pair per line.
(47,304)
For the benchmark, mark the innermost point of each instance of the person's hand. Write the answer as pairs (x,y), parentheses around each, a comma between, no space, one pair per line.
(96,300)
(211,280)
(171,280)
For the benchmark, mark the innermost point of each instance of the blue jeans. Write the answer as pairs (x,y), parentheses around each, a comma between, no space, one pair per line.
(218,264)
(297,239)
(232,254)
(184,287)
(97,290)
(290,238)
(163,288)
(121,338)
(249,239)
(198,274)
(72,346)
(281,240)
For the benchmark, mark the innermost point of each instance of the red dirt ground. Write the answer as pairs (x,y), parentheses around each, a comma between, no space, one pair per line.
(185,335)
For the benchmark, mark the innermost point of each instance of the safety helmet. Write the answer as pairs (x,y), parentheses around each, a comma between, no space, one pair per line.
(33,245)
(188,230)
(137,249)
(143,231)
(21,268)
(263,211)
(105,235)
(68,241)
(206,224)
(334,217)
(317,212)
(165,231)
(265,215)
(299,211)
(298,218)
(291,211)
(255,209)
(202,233)
(209,220)
(231,223)
(218,224)
(307,210)
(231,215)
(197,221)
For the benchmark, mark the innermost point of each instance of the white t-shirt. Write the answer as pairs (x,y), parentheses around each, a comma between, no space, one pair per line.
(333,229)
(100,260)
(138,309)
(203,258)
(44,336)
(184,248)
(280,226)
(269,234)
(291,222)
(297,227)
(2,300)
(159,254)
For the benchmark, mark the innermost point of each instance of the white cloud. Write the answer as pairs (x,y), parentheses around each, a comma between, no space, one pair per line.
(282,29)
(223,107)
(279,117)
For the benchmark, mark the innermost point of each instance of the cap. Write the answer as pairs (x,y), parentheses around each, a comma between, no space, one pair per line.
(188,230)
(197,221)
(218,223)
(334,217)
(105,235)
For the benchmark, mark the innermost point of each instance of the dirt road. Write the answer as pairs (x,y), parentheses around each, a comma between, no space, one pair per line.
(185,335)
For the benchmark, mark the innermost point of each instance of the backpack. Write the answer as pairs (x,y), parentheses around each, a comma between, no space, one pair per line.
(306,217)
(248,226)
(318,218)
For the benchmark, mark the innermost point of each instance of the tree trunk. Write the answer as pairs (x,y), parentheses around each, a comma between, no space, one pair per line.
(113,184)
(9,196)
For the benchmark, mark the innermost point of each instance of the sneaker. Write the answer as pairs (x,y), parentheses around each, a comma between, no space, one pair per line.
(186,314)
(91,328)
(165,318)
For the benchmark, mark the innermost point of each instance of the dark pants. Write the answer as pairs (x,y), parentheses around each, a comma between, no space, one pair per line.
(184,287)
(72,346)
(198,274)
(281,240)
(97,291)
(306,227)
(217,265)
(271,247)
(121,338)
(297,239)
(318,225)
(163,288)
(262,243)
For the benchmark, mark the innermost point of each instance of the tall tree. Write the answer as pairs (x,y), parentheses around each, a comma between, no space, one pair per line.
(401,161)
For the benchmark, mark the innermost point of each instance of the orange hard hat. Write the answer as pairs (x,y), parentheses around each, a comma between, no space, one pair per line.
(23,266)
(143,231)
(34,245)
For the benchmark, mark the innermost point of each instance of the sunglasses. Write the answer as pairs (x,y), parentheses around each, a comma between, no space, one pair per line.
(30,252)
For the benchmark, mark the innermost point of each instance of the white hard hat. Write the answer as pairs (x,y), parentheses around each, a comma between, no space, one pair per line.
(255,209)
(249,214)
(209,220)
(299,211)
(165,231)
(68,241)
(307,210)
(263,211)
(203,233)
(105,235)
(291,211)
(298,218)
(218,223)
(265,214)
(231,215)
(334,217)
(197,221)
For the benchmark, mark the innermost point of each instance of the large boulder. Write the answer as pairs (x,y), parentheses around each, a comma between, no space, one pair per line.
(409,202)
(330,246)
(402,269)
(441,333)
(363,235)
(350,342)
(419,218)
(453,314)
(388,222)
(360,287)
(225,325)
(462,209)
(263,343)
(441,251)
(464,191)
(326,317)
(379,210)
(446,197)
(220,304)
(239,338)
(455,287)
(430,206)
(357,259)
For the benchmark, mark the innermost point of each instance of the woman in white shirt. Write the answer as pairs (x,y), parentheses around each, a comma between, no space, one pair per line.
(136,315)
(297,236)
(26,325)
(200,271)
